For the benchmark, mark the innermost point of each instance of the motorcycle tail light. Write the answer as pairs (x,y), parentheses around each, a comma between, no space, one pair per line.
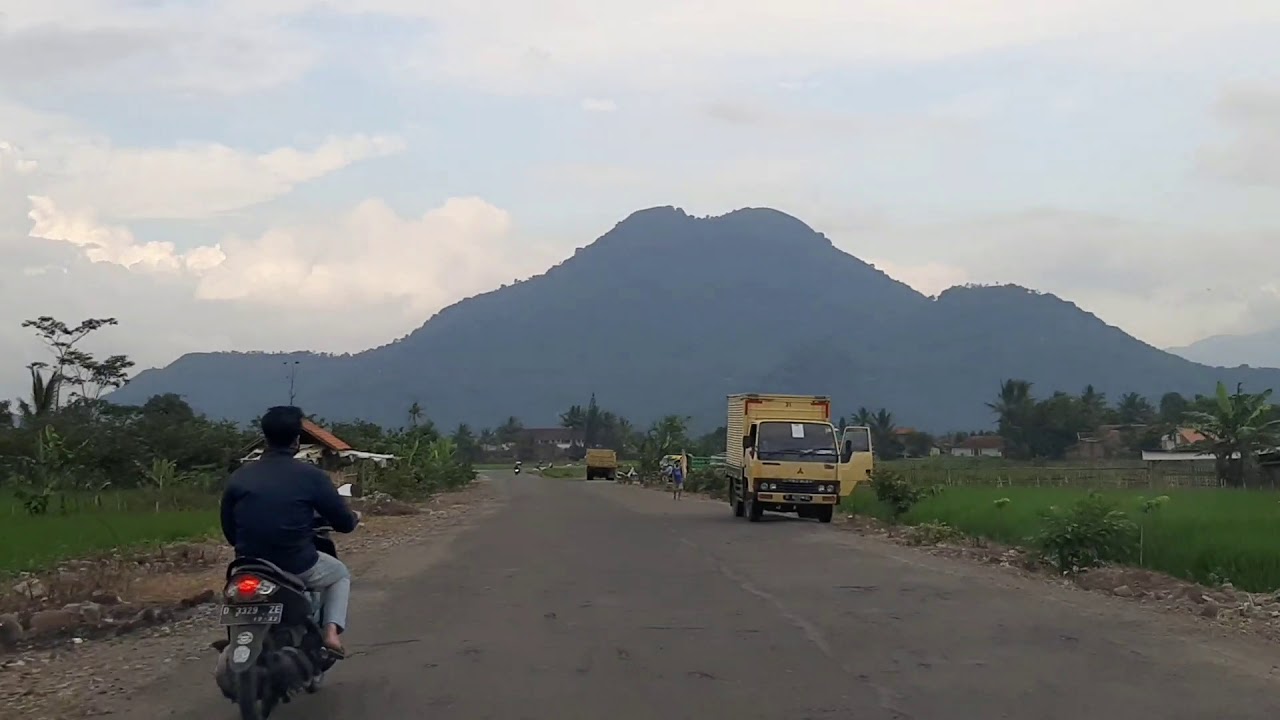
(248,587)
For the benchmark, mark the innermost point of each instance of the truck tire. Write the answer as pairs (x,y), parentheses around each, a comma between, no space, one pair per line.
(825,513)
(739,507)
(755,510)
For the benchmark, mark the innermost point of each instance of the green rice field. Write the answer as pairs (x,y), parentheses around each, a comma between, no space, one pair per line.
(77,527)
(1204,535)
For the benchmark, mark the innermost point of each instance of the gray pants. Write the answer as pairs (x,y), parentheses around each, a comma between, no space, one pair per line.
(332,580)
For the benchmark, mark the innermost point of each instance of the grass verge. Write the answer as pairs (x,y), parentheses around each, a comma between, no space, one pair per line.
(84,526)
(1207,536)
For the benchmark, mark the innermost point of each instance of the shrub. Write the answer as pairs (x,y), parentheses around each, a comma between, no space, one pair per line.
(932,533)
(895,491)
(1093,531)
(707,480)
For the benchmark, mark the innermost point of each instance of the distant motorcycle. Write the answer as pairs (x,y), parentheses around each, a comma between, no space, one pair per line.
(274,646)
(517,471)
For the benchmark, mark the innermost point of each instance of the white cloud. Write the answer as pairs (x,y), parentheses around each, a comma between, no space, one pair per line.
(1252,155)
(195,180)
(203,48)
(364,257)
(599,105)
(556,45)
(347,281)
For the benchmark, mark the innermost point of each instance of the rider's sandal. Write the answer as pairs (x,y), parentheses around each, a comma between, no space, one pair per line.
(335,654)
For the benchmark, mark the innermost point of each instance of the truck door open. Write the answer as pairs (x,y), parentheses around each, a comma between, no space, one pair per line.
(856,458)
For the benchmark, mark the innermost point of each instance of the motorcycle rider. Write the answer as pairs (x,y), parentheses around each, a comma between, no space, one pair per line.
(268,509)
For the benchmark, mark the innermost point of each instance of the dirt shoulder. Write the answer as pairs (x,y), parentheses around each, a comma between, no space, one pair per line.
(134,621)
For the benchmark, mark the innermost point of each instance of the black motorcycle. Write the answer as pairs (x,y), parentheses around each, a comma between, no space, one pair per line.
(274,646)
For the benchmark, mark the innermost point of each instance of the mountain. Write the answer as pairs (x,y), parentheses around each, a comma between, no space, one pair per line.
(1260,349)
(668,313)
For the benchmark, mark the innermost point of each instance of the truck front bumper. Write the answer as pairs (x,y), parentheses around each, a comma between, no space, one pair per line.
(798,498)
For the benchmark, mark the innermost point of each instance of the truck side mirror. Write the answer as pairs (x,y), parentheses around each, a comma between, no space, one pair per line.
(848,451)
(746,442)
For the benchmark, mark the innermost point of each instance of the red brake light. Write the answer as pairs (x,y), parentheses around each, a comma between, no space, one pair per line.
(248,586)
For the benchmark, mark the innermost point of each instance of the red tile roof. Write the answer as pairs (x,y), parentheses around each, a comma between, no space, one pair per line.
(324,437)
(983,442)
(1189,436)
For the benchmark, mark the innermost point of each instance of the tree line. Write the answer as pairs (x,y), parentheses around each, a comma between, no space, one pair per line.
(63,439)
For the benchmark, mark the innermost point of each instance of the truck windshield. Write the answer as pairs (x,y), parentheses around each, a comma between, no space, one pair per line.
(795,441)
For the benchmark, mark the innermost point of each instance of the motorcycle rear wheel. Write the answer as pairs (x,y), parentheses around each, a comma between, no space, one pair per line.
(253,704)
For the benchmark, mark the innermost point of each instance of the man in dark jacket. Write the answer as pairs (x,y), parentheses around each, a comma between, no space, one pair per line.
(269,510)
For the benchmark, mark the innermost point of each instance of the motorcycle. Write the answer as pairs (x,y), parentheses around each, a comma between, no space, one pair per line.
(517,471)
(274,646)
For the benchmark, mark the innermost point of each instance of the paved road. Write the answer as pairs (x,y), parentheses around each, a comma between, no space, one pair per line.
(599,601)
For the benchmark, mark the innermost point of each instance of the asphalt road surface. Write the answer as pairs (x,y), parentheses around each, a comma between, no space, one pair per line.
(591,601)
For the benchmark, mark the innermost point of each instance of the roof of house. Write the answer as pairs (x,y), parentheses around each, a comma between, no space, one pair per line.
(983,442)
(314,432)
(324,437)
(1189,435)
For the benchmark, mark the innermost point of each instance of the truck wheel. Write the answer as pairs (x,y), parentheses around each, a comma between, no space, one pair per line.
(755,510)
(825,513)
(739,507)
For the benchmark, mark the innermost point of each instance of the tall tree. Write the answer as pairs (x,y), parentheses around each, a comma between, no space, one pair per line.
(884,435)
(72,365)
(509,431)
(591,423)
(575,418)
(464,440)
(1173,408)
(1013,409)
(415,414)
(1133,409)
(1239,426)
(1094,406)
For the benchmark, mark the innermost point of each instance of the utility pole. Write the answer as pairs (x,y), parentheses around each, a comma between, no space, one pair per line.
(293,376)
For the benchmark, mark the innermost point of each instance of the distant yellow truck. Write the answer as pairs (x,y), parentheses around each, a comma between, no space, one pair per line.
(782,455)
(602,463)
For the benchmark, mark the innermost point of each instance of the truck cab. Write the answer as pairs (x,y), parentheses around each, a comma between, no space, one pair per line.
(784,455)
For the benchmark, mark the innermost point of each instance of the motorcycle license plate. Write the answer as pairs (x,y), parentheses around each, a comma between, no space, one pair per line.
(798,498)
(264,614)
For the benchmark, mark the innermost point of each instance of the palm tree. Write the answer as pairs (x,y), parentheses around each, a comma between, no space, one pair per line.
(509,431)
(1095,406)
(884,434)
(1013,411)
(862,418)
(1235,430)
(1134,409)
(415,414)
(44,393)
(575,418)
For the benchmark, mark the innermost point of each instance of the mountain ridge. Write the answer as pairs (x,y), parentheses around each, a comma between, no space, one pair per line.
(667,313)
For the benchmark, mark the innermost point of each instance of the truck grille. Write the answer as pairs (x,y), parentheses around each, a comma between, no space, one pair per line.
(791,486)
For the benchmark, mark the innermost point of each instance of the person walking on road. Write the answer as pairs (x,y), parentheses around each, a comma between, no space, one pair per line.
(677,481)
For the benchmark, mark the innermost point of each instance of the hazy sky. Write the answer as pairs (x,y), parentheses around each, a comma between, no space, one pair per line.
(275,174)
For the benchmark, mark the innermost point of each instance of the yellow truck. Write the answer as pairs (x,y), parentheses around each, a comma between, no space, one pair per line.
(602,463)
(782,455)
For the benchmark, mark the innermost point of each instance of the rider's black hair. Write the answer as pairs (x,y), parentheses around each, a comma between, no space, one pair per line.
(281,425)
